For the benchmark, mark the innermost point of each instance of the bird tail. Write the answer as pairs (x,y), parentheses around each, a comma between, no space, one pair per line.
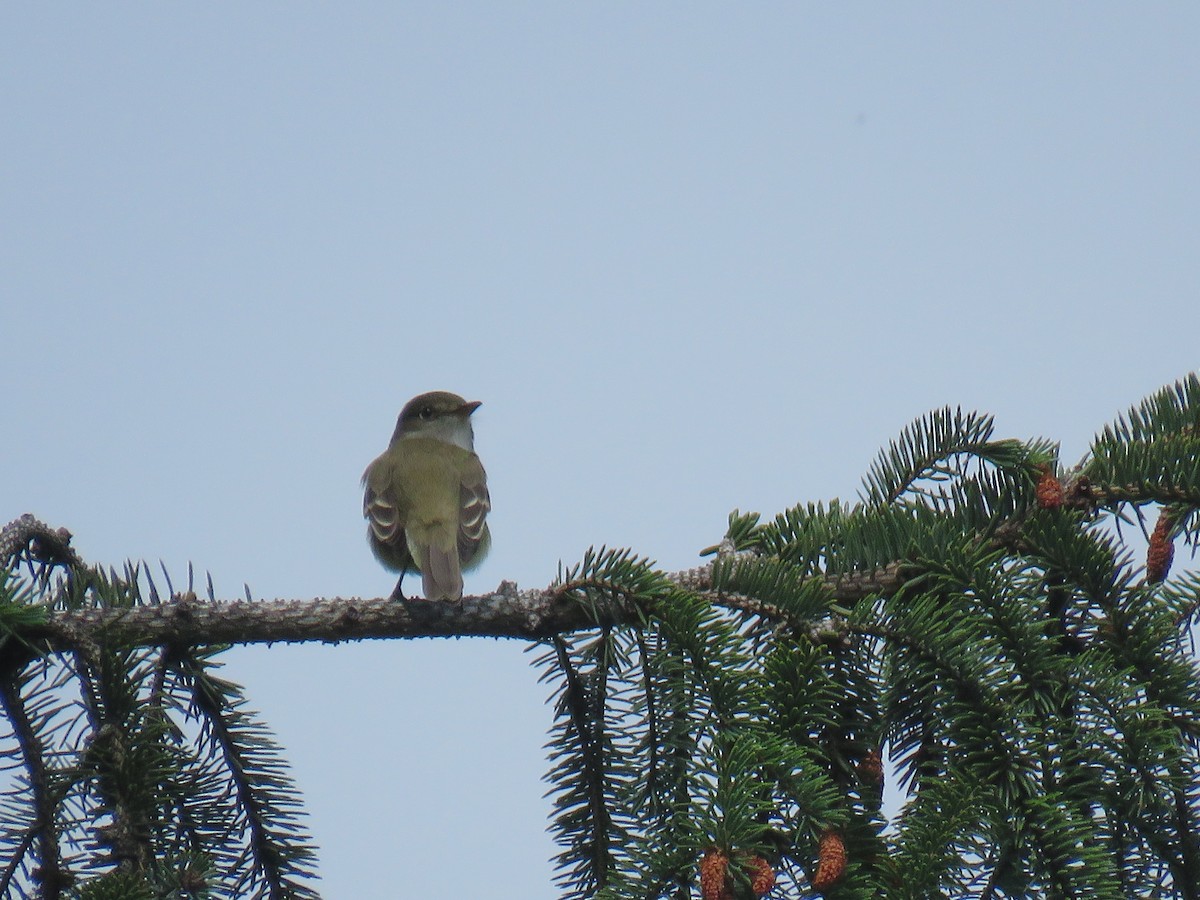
(441,575)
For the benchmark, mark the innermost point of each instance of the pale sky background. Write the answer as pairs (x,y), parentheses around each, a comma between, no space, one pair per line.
(690,256)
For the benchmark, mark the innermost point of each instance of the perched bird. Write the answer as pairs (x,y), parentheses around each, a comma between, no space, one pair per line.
(426,498)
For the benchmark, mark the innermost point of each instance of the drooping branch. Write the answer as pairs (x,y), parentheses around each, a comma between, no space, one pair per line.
(51,873)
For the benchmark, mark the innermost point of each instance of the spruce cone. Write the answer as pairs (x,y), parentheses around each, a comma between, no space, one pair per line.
(762,876)
(870,768)
(715,883)
(1161,552)
(1049,490)
(713,867)
(831,860)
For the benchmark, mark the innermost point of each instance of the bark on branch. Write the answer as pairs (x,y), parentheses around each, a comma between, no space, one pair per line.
(506,613)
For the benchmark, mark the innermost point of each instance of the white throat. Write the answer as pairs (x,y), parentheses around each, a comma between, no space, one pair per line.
(455,430)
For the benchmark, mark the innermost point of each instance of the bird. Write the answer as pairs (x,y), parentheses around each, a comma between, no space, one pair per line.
(426,498)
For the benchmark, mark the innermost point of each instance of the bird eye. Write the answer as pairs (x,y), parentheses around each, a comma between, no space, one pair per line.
(426,412)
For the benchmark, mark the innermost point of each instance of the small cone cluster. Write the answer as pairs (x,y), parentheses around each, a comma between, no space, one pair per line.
(762,876)
(870,768)
(1049,490)
(831,860)
(713,867)
(714,876)
(1161,552)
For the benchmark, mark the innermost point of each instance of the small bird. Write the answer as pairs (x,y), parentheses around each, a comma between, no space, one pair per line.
(426,498)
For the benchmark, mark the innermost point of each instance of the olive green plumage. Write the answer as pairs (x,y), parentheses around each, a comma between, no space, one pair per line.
(426,498)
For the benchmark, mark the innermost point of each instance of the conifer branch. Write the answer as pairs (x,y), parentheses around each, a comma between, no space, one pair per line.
(276,849)
(186,620)
(127,836)
(51,874)
(584,705)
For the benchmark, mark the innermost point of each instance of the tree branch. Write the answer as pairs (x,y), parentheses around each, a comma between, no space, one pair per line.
(505,613)
(51,873)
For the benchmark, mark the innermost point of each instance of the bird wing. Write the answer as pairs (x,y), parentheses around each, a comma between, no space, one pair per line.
(385,517)
(474,504)
(381,513)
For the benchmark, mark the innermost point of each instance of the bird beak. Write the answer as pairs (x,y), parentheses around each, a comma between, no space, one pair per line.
(467,408)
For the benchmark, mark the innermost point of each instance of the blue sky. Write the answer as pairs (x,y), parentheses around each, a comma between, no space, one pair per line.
(691,257)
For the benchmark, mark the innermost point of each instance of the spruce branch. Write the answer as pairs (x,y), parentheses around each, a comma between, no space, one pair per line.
(618,590)
(51,874)
(186,620)
(277,850)
(582,776)
(111,759)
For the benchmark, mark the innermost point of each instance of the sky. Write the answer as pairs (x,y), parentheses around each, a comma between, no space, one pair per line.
(691,258)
